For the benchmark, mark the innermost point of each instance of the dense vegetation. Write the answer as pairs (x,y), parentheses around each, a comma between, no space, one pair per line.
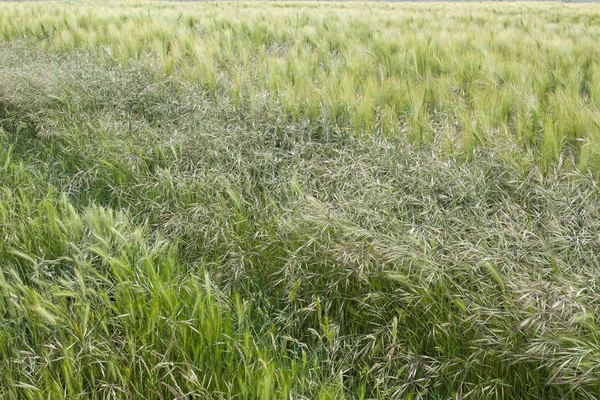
(299,200)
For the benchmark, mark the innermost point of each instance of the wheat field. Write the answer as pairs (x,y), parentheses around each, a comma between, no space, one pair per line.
(299,200)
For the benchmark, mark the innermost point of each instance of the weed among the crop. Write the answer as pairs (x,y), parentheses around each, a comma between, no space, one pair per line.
(299,200)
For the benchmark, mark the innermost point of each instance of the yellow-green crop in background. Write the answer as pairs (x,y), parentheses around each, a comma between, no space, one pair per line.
(523,76)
